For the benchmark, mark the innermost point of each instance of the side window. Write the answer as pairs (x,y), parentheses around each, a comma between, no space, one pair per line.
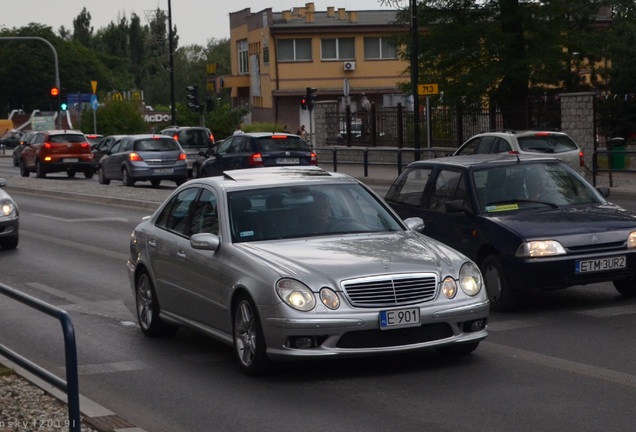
(470,147)
(502,146)
(237,145)
(174,216)
(223,148)
(115,148)
(205,218)
(409,189)
(449,186)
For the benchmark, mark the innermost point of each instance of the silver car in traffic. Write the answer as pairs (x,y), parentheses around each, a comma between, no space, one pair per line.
(296,262)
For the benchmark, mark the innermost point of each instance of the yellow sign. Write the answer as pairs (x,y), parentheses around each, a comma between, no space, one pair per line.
(94,86)
(117,96)
(211,68)
(427,89)
(135,95)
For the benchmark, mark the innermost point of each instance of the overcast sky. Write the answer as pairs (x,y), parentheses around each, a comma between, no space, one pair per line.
(197,21)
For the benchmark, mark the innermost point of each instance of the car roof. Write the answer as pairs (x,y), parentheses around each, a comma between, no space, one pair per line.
(470,161)
(275,176)
(525,132)
(268,134)
(147,136)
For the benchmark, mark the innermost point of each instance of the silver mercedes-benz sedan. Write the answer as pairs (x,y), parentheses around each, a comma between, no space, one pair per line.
(296,262)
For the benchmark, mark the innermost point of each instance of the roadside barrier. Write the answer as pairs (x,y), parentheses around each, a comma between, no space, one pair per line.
(71,385)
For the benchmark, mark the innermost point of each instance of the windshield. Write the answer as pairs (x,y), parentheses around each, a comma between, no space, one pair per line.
(155,144)
(282,143)
(547,143)
(512,187)
(195,138)
(304,211)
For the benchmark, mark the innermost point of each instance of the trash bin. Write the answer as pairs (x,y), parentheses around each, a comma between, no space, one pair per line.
(616,155)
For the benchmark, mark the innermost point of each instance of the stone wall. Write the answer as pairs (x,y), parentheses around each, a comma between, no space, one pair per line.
(577,120)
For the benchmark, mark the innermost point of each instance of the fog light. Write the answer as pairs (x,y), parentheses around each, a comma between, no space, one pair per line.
(475,326)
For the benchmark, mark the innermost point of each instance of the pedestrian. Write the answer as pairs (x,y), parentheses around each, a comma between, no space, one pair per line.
(238,130)
(302,132)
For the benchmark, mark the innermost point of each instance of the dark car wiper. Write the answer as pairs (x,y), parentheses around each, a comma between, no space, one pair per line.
(522,201)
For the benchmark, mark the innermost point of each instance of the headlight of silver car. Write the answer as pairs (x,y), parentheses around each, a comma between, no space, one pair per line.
(470,279)
(631,240)
(540,248)
(449,287)
(6,208)
(329,298)
(296,294)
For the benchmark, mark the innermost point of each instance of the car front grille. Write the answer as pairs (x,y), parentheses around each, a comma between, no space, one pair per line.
(391,290)
(396,337)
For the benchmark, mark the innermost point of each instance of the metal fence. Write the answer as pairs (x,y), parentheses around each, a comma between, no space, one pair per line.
(448,127)
(71,385)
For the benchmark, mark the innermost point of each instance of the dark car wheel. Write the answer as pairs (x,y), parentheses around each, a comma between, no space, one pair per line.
(9,243)
(195,171)
(125,178)
(16,161)
(148,309)
(40,172)
(249,342)
(101,177)
(458,350)
(89,173)
(626,287)
(155,183)
(501,295)
(24,172)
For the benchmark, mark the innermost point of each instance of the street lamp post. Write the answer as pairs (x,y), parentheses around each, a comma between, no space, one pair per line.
(173,107)
(414,79)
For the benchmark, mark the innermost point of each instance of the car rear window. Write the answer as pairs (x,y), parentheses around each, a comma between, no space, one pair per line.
(156,144)
(194,138)
(67,138)
(274,144)
(547,144)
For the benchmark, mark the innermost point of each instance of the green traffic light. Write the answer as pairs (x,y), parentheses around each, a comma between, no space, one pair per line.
(64,106)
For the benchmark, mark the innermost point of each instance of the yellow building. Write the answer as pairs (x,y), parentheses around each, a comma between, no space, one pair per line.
(277,55)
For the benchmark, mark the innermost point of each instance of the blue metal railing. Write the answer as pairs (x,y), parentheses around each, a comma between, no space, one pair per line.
(71,385)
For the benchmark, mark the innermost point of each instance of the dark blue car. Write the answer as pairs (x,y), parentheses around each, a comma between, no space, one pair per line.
(530,223)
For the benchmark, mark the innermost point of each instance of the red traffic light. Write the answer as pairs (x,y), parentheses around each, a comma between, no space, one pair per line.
(55,91)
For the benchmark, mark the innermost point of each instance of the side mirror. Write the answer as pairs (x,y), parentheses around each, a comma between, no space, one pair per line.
(414,223)
(604,190)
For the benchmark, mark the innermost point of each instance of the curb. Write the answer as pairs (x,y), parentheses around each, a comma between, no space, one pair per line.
(93,415)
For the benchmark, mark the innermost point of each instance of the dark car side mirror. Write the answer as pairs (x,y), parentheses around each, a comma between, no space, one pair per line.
(604,190)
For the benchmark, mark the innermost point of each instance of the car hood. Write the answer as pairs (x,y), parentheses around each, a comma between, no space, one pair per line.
(318,260)
(569,221)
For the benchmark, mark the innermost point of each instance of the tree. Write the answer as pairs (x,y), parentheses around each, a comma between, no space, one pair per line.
(117,118)
(499,49)
(82,30)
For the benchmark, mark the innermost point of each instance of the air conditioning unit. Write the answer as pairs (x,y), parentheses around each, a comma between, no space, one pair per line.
(349,66)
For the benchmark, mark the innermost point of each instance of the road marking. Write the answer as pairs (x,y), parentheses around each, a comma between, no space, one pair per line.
(76,245)
(101,368)
(115,309)
(99,219)
(587,370)
(610,311)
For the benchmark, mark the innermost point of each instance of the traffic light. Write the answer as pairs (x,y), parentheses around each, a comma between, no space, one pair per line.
(193,97)
(63,100)
(55,97)
(310,98)
(303,103)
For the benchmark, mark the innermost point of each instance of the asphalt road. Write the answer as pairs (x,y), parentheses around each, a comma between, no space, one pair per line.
(564,362)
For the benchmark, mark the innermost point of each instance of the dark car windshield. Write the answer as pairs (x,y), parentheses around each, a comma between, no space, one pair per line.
(156,144)
(302,211)
(512,187)
(269,144)
(547,143)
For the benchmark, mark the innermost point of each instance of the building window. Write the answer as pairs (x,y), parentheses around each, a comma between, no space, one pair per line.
(293,50)
(379,48)
(243,57)
(338,49)
(266,55)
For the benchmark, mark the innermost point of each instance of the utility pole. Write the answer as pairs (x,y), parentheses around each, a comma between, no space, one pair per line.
(173,106)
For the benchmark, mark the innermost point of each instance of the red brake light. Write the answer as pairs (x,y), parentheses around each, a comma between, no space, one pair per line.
(541,134)
(134,157)
(513,152)
(86,145)
(256,159)
(581,159)
(182,156)
(279,136)
(47,145)
(314,159)
(176,137)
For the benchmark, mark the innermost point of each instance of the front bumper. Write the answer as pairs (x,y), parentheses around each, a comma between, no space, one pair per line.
(358,333)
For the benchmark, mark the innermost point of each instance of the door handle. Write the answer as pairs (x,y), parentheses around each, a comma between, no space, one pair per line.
(152,243)
(181,255)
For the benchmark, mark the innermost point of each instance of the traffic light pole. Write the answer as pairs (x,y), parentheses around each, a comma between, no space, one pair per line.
(57,67)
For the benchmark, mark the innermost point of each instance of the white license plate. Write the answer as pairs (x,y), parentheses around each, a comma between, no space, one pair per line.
(70,160)
(287,161)
(409,317)
(163,171)
(600,264)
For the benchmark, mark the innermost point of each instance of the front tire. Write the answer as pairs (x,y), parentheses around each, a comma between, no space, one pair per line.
(627,287)
(501,295)
(195,171)
(9,243)
(148,309)
(249,341)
